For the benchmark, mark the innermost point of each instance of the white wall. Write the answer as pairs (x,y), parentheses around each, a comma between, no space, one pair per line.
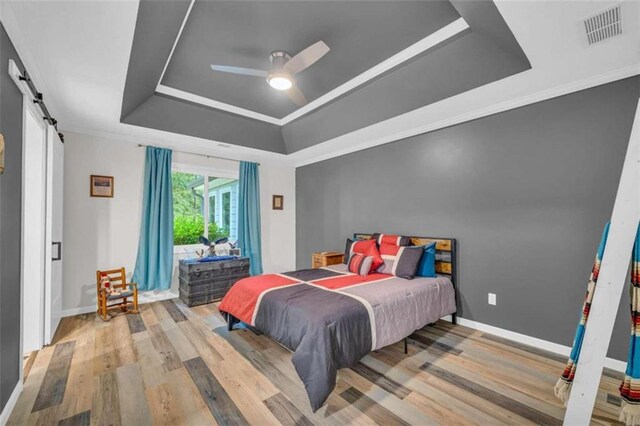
(102,233)
(278,226)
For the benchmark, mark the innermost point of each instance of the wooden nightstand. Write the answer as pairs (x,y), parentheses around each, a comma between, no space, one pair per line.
(326,258)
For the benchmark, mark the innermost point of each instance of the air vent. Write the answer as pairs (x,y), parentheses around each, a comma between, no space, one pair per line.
(604,25)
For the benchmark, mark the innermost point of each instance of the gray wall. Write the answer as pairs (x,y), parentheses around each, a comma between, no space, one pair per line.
(10,222)
(526,193)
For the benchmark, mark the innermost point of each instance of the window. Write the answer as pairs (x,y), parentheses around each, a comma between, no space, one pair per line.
(190,207)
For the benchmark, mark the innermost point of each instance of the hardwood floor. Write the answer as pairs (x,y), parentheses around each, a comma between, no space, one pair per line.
(176,365)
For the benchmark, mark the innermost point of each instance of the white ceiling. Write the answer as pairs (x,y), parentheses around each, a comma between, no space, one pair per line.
(78,52)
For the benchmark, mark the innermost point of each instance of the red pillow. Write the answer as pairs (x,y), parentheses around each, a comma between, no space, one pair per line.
(366,247)
(377,259)
(396,240)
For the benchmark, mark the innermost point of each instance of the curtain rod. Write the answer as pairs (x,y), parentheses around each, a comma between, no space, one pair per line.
(200,155)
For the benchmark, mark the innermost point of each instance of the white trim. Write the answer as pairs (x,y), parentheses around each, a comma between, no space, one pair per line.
(143,298)
(205,170)
(175,43)
(201,100)
(186,248)
(611,363)
(11,403)
(430,41)
(185,144)
(15,73)
(369,135)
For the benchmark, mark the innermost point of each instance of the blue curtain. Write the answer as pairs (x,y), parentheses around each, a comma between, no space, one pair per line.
(249,215)
(154,264)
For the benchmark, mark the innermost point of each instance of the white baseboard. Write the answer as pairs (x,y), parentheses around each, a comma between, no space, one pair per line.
(611,363)
(143,297)
(8,408)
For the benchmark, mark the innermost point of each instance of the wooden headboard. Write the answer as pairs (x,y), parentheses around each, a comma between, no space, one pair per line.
(446,255)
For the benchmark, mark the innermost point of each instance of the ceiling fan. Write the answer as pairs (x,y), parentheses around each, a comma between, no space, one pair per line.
(283,69)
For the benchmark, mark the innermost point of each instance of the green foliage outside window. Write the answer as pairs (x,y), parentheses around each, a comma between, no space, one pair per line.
(216,232)
(187,229)
(188,223)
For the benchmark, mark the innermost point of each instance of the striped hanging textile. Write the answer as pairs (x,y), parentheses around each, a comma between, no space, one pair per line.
(563,387)
(630,387)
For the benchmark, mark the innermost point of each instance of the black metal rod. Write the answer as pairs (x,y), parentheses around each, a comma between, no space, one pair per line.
(38,98)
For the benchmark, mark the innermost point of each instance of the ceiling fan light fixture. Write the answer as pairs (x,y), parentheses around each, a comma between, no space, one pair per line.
(283,69)
(280,81)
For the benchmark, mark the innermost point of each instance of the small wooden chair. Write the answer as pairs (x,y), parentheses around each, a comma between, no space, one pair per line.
(118,282)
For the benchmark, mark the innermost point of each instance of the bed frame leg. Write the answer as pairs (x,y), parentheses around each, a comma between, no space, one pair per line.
(406,346)
(230,321)
(454,319)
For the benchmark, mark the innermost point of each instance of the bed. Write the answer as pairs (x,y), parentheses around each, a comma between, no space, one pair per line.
(331,318)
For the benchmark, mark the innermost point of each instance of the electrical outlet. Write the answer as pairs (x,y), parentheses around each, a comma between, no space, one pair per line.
(492,298)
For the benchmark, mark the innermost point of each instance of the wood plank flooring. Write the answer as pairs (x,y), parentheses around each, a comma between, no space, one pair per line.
(177,365)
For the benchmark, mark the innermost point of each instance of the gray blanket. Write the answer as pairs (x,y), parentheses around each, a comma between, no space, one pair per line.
(325,330)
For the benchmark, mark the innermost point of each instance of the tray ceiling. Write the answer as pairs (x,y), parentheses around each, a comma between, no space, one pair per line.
(386,58)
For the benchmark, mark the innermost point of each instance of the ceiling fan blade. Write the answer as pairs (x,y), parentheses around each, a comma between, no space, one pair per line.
(307,57)
(296,95)
(240,70)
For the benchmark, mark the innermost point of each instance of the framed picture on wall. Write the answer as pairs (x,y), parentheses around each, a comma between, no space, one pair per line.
(101,186)
(278,202)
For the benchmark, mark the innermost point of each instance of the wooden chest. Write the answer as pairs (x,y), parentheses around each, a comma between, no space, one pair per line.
(206,282)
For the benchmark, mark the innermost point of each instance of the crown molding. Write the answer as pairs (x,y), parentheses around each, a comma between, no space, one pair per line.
(311,155)
(183,143)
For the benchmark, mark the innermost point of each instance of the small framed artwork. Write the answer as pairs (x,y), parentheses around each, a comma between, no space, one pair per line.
(101,186)
(278,202)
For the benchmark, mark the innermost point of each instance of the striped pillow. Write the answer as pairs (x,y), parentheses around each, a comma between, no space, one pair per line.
(396,240)
(366,247)
(400,261)
(360,264)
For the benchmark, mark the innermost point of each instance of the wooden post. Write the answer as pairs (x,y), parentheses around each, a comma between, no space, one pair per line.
(612,278)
